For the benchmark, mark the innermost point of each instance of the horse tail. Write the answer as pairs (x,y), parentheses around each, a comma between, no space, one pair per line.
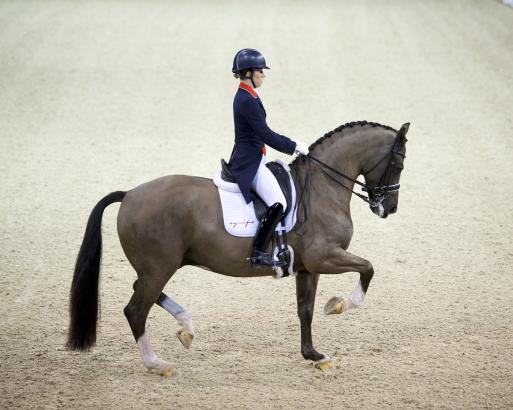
(84,298)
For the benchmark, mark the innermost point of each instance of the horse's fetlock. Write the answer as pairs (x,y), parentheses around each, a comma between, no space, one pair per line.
(311,354)
(306,353)
(151,362)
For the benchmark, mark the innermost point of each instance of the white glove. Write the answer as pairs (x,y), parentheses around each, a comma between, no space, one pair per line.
(301,148)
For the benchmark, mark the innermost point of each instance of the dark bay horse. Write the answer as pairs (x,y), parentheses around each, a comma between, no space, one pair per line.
(176,220)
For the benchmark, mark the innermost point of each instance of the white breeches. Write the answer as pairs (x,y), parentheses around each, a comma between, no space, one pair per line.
(266,185)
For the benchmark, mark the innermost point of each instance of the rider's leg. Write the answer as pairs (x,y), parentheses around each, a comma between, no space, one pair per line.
(268,189)
(264,235)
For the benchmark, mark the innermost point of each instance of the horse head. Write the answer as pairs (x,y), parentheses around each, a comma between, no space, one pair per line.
(382,179)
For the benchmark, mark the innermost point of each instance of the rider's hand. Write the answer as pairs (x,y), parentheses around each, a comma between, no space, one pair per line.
(301,148)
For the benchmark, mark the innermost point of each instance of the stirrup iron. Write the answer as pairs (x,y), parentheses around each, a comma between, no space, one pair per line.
(265,259)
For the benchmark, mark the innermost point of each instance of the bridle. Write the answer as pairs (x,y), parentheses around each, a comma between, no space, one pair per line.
(378,193)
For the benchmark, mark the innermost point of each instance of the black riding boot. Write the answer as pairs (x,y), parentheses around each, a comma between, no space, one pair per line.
(259,255)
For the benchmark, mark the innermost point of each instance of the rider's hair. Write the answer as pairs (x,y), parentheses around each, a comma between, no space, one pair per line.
(242,74)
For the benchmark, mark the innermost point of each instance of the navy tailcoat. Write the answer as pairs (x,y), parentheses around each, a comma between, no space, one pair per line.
(251,135)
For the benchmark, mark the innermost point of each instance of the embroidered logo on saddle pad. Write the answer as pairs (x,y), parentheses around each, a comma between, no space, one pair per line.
(240,219)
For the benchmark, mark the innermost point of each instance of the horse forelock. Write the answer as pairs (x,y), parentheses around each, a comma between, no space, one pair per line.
(341,128)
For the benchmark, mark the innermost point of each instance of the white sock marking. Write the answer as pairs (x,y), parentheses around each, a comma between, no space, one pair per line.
(149,358)
(146,350)
(356,298)
(185,319)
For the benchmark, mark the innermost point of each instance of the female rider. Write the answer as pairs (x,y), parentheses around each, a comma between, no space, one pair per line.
(247,162)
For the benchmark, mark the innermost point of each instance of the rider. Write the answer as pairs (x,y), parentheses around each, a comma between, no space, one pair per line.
(247,162)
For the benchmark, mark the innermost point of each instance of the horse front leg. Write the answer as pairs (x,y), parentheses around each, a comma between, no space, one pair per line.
(306,287)
(338,261)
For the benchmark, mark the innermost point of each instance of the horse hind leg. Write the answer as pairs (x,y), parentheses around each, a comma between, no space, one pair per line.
(182,315)
(146,292)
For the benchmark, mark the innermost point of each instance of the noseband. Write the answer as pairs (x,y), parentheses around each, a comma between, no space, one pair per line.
(378,193)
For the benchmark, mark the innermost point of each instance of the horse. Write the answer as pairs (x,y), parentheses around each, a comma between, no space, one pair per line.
(177,220)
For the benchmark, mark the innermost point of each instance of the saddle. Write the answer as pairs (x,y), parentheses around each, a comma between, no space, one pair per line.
(242,219)
(281,175)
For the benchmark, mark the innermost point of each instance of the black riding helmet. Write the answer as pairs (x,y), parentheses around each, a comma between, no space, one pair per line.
(248,59)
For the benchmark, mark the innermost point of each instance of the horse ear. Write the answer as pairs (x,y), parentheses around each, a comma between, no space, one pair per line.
(401,134)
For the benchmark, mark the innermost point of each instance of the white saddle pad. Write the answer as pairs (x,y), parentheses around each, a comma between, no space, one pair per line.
(239,218)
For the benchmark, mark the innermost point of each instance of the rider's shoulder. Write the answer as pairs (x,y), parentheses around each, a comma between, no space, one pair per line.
(245,100)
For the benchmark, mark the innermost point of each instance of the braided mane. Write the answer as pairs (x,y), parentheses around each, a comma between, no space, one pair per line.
(341,128)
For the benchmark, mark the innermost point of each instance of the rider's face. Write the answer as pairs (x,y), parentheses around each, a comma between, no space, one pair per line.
(258,77)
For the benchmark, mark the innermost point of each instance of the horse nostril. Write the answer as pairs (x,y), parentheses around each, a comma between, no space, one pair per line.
(393,210)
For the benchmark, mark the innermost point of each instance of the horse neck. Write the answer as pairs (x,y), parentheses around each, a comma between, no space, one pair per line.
(350,152)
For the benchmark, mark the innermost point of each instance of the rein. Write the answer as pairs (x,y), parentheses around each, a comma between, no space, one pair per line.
(323,164)
(378,192)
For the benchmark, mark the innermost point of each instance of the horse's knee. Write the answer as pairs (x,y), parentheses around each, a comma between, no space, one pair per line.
(367,271)
(367,268)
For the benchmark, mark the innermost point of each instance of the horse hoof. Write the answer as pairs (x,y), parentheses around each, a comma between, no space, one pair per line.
(168,371)
(324,364)
(185,337)
(334,306)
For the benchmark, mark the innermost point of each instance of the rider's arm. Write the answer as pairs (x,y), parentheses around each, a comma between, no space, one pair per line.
(255,116)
